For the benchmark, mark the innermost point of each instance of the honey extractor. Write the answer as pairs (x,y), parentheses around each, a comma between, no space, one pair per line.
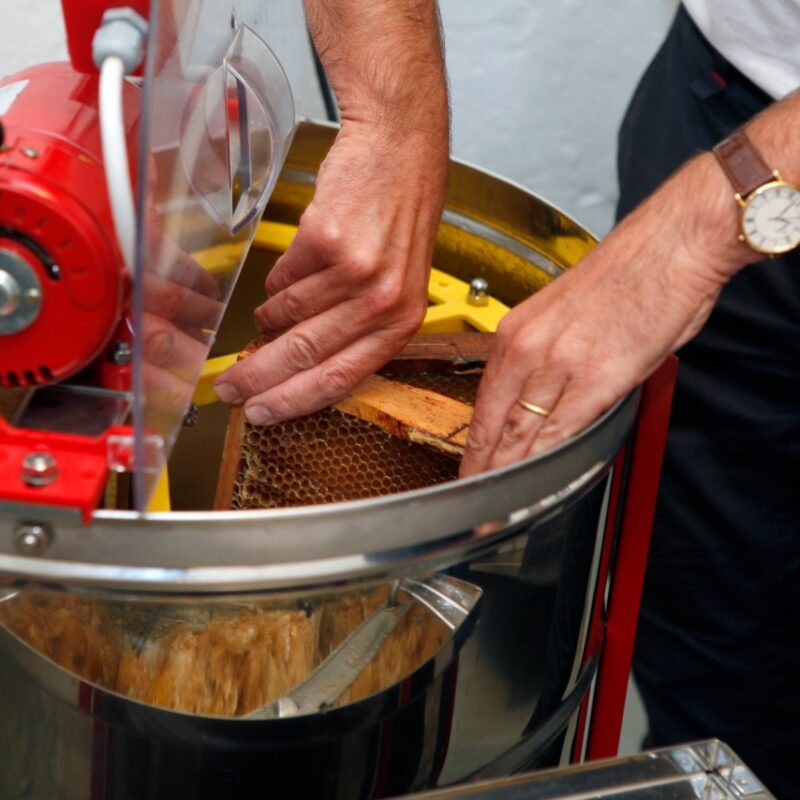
(522,551)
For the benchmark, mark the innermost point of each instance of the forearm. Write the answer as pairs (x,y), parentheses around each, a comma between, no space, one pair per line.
(352,288)
(385,63)
(698,201)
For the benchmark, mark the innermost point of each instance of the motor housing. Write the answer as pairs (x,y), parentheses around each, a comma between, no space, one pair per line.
(63,284)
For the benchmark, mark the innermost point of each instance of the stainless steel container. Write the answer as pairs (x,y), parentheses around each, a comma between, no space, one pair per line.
(530,536)
(707,770)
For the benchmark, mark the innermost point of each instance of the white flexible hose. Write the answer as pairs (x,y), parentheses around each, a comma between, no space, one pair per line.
(115,157)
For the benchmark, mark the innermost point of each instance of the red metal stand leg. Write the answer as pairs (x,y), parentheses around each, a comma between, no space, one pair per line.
(627,579)
(598,620)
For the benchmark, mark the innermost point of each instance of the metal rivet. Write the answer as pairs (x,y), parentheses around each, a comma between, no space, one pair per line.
(39,468)
(32,539)
(30,152)
(478,292)
(121,353)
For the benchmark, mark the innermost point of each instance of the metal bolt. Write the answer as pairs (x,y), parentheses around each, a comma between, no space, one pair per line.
(121,353)
(192,416)
(39,468)
(478,292)
(32,539)
(33,296)
(30,152)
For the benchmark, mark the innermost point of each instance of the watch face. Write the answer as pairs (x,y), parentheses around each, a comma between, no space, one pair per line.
(771,218)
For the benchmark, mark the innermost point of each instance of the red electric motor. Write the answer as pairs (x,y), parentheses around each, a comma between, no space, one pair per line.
(63,284)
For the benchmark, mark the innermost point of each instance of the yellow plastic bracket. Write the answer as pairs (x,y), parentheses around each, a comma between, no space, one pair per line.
(450,308)
(159,500)
(204,391)
(274,236)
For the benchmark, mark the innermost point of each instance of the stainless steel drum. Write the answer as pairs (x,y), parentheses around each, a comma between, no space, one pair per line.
(498,693)
(707,769)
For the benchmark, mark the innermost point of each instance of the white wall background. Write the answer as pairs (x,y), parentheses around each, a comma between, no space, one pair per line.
(538,86)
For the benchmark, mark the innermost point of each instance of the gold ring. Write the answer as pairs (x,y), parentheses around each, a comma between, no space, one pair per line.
(542,412)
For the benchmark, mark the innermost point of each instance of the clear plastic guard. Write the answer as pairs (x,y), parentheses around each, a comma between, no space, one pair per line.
(217,121)
(82,410)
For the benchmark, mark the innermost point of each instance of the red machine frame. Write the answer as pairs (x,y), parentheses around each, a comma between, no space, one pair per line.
(631,510)
(60,228)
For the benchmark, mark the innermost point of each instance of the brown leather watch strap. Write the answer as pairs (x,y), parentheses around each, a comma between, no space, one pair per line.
(742,163)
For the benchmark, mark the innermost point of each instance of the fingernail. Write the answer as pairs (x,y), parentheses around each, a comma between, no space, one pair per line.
(228,393)
(258,415)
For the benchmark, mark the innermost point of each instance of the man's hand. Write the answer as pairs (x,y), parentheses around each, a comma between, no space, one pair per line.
(577,346)
(352,288)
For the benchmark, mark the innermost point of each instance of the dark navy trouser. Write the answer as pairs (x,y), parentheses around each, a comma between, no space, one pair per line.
(718,648)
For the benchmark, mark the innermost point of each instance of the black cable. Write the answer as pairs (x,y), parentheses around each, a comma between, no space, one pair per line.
(325,90)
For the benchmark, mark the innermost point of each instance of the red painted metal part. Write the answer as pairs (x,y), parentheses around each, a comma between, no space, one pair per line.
(639,487)
(82,18)
(55,216)
(597,625)
(82,466)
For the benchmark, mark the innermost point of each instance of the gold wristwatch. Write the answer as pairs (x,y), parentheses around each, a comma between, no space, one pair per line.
(770,207)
